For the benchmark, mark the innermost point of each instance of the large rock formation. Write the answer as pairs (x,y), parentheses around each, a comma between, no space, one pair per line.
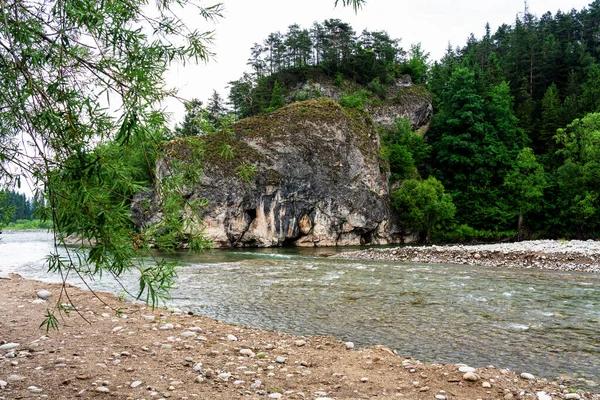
(317,182)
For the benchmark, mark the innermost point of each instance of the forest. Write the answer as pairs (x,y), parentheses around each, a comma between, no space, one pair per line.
(515,136)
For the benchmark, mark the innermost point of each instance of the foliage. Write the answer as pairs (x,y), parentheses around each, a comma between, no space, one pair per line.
(29,224)
(526,183)
(277,101)
(423,206)
(247,172)
(417,64)
(330,48)
(356,4)
(405,150)
(534,77)
(474,140)
(81,84)
(465,234)
(578,177)
(355,100)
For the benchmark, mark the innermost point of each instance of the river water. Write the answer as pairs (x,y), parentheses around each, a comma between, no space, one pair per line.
(543,322)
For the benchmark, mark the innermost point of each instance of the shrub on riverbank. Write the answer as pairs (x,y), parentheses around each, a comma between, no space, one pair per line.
(26,224)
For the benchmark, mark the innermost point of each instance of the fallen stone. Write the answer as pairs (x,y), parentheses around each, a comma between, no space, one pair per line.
(34,389)
(9,346)
(247,352)
(256,384)
(224,376)
(471,377)
(572,396)
(543,396)
(349,345)
(135,384)
(44,294)
(527,376)
(15,378)
(102,389)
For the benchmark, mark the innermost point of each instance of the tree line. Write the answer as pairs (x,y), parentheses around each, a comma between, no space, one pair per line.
(515,135)
(15,206)
(331,48)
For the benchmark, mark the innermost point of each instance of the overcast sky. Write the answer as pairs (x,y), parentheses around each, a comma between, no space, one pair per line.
(433,23)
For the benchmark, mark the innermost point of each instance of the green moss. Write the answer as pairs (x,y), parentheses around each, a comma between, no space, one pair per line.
(410,94)
(220,151)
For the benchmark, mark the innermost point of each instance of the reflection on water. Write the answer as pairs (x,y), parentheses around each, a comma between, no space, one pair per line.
(542,322)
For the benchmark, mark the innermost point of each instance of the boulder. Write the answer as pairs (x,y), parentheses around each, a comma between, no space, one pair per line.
(317,180)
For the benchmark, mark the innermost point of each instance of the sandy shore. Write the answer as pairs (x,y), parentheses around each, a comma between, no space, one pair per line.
(129,351)
(573,255)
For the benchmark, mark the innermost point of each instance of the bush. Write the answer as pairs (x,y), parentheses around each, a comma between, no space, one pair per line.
(26,224)
(338,80)
(465,234)
(423,207)
(355,100)
(377,88)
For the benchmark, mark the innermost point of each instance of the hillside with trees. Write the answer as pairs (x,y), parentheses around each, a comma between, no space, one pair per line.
(514,139)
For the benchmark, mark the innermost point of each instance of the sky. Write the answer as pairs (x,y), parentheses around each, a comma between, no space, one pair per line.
(433,23)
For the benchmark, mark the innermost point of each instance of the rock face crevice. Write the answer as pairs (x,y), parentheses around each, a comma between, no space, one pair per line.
(319,181)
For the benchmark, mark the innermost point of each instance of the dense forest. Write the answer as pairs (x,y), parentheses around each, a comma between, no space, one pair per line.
(15,206)
(515,138)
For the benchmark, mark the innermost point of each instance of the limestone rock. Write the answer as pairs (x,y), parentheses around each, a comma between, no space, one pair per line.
(318,181)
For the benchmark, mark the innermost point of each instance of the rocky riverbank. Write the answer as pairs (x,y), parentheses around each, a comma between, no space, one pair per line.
(123,350)
(574,255)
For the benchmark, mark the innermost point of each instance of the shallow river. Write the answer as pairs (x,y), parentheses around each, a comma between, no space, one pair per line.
(543,322)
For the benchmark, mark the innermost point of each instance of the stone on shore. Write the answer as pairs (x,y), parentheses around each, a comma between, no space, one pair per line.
(44,294)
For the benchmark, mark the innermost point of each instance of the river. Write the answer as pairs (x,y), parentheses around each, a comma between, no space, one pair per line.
(542,322)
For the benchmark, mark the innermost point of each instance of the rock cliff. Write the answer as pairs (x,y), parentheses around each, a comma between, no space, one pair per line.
(317,181)
(403,99)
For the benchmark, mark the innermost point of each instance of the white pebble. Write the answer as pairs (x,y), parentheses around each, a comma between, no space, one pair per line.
(543,396)
(247,352)
(527,376)
(44,294)
(572,396)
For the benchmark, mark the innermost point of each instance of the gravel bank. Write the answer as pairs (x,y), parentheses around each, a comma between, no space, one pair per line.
(574,255)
